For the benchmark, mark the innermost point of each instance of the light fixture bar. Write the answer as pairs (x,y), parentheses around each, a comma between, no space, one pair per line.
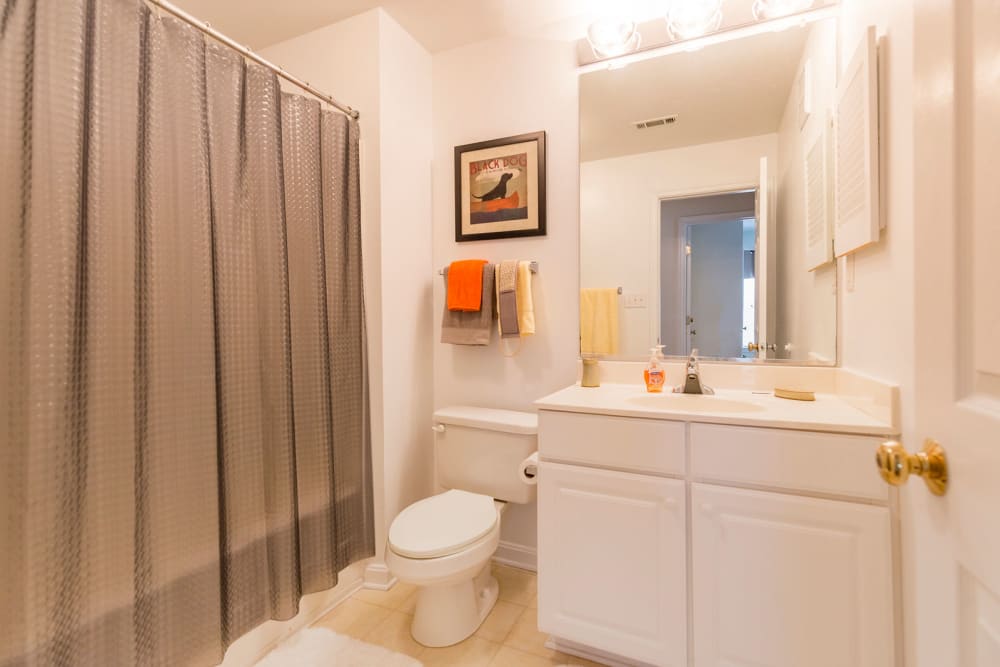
(723,35)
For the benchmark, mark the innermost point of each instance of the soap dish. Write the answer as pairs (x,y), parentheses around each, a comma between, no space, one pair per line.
(794,394)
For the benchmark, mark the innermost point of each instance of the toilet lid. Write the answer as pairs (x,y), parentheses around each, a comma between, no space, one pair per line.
(442,524)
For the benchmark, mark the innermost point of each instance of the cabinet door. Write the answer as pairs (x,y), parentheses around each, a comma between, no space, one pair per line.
(787,581)
(611,562)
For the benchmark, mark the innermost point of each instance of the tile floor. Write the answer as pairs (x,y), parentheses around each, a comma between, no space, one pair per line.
(509,636)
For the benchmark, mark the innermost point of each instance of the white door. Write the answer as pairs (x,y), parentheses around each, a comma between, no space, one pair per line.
(951,543)
(611,555)
(786,581)
(764,262)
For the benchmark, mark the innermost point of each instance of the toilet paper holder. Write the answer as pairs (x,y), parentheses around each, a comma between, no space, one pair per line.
(529,469)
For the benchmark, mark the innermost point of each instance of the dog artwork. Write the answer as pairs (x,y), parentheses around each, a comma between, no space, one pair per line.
(499,188)
(500,191)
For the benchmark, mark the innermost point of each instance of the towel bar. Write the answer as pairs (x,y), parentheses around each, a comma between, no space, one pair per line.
(533,267)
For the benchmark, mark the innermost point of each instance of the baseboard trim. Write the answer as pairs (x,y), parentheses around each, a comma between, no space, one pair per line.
(592,654)
(378,577)
(517,555)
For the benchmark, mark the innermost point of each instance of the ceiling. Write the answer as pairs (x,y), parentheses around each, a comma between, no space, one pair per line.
(438,25)
(724,91)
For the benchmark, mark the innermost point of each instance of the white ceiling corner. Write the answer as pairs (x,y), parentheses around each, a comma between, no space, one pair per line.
(439,25)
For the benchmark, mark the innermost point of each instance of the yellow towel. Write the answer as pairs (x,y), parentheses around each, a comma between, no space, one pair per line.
(525,302)
(599,320)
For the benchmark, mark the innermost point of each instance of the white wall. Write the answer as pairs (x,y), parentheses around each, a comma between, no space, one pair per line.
(407,273)
(620,213)
(485,91)
(876,307)
(806,300)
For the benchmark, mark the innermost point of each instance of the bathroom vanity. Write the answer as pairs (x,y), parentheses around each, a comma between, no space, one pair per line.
(735,529)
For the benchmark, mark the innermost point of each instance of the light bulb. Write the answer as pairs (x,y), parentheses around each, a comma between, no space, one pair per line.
(613,37)
(693,18)
(772,9)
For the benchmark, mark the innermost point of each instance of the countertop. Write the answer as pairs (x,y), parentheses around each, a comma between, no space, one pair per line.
(829,412)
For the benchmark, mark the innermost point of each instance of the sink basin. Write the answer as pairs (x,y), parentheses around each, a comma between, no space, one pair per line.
(694,403)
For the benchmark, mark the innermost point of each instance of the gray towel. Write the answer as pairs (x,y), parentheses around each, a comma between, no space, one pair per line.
(507,298)
(470,328)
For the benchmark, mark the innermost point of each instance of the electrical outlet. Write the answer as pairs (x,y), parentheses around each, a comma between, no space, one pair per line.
(635,300)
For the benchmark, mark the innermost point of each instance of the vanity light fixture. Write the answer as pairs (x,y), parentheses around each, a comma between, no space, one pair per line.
(723,35)
(687,19)
(772,9)
(612,37)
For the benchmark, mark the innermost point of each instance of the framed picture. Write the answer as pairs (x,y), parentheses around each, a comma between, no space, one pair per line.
(500,188)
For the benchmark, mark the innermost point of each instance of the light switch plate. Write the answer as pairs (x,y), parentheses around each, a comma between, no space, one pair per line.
(635,300)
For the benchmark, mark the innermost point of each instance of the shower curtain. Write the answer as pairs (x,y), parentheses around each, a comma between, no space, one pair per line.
(183,377)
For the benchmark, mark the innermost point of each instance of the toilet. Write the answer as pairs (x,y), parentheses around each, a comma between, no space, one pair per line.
(443,544)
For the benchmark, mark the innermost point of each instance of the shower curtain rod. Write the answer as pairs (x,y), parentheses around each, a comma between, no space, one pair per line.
(206,28)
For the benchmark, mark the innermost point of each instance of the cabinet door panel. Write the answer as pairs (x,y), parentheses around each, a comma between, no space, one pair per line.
(611,562)
(786,581)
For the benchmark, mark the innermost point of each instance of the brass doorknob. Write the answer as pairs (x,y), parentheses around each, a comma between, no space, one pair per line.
(895,465)
(753,347)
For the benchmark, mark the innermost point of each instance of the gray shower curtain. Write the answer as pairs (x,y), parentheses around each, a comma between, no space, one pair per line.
(183,381)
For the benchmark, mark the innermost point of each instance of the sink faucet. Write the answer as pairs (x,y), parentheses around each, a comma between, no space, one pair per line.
(692,382)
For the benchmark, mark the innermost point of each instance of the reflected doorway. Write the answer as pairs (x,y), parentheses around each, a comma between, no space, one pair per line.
(708,287)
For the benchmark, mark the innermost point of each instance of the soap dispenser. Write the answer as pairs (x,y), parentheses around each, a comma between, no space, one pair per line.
(655,374)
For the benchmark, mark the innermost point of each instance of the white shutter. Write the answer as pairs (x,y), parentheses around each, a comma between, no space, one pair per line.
(819,243)
(856,151)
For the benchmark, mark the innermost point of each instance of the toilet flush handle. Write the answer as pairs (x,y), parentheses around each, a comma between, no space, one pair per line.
(438,428)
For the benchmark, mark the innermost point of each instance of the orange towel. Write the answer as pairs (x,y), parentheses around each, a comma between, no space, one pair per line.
(465,285)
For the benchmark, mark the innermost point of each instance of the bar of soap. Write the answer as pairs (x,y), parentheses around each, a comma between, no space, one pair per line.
(795,394)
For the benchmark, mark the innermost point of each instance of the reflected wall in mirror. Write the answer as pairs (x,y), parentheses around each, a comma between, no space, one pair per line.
(697,169)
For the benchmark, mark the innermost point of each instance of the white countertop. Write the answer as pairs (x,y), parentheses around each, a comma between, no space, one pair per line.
(828,412)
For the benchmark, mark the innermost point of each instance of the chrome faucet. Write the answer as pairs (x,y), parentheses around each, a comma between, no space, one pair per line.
(692,381)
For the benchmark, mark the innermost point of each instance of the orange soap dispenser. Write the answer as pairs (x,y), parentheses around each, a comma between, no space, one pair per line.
(655,374)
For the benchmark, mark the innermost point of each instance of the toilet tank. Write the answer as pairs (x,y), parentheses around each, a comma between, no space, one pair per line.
(480,450)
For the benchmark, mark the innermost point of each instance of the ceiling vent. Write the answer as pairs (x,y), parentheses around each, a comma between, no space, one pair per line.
(655,122)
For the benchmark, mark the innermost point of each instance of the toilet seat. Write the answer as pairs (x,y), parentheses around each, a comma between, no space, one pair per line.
(442,525)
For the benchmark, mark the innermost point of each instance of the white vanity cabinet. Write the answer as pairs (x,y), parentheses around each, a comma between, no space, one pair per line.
(782,580)
(615,544)
(670,543)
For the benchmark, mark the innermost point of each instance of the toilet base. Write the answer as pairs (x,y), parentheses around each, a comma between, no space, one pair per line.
(447,614)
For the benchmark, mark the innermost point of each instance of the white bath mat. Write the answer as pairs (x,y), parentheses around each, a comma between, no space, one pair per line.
(319,647)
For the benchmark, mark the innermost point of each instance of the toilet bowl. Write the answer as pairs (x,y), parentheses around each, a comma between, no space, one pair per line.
(443,544)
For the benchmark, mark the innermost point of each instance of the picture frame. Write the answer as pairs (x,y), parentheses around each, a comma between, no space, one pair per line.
(500,188)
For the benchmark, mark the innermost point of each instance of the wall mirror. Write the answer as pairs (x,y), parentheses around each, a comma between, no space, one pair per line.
(705,192)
